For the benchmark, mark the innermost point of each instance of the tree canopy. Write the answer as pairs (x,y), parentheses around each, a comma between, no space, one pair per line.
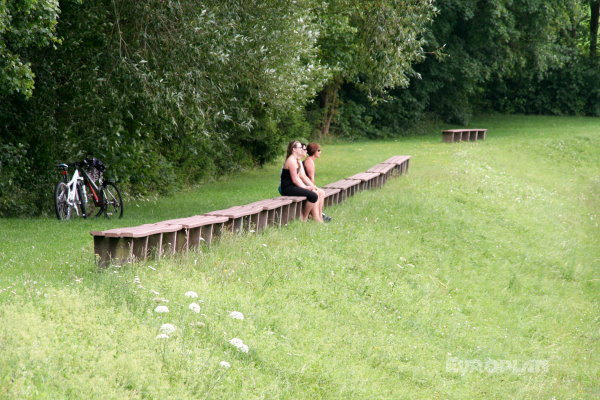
(24,25)
(171,92)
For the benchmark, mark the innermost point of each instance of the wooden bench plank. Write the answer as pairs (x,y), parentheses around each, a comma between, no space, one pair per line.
(241,218)
(273,210)
(381,168)
(401,164)
(122,245)
(385,170)
(332,196)
(197,230)
(348,187)
(368,179)
(343,184)
(294,209)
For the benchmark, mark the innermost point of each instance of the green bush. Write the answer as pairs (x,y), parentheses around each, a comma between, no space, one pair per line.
(166,93)
(573,89)
(15,178)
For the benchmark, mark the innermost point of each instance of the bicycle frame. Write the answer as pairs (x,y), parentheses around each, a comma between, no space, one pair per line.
(89,183)
(73,197)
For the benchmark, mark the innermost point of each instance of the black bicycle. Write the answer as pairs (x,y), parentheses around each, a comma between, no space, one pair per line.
(86,193)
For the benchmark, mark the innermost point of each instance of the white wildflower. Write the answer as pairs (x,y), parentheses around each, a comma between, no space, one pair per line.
(154,292)
(136,279)
(225,364)
(239,345)
(191,294)
(236,315)
(195,307)
(162,336)
(167,329)
(161,309)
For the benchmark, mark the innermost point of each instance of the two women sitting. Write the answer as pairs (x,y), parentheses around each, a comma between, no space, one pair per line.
(295,181)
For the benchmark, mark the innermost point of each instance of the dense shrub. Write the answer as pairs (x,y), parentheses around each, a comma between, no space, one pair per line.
(171,92)
(573,89)
(14,179)
(164,92)
(396,115)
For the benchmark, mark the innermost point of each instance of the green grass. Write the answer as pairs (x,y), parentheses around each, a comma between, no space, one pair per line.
(486,252)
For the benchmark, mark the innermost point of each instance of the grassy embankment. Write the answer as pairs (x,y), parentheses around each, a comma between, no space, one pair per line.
(475,276)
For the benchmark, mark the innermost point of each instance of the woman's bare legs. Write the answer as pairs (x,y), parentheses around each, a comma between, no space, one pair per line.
(316,212)
(308,207)
(311,209)
(321,202)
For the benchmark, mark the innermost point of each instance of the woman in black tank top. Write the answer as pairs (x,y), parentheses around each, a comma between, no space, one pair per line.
(294,182)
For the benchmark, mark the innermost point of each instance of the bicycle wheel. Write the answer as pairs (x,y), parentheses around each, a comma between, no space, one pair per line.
(61,204)
(81,200)
(112,203)
(93,207)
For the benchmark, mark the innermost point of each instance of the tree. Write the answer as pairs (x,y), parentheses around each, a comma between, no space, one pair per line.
(488,42)
(372,44)
(166,92)
(594,17)
(24,25)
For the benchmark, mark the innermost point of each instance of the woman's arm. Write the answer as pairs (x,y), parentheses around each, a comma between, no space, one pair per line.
(309,167)
(306,179)
(292,164)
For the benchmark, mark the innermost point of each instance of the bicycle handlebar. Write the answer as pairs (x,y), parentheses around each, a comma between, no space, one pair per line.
(88,162)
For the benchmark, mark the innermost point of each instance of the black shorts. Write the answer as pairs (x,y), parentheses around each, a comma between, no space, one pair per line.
(293,190)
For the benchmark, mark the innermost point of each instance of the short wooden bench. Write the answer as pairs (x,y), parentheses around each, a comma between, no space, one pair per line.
(241,218)
(463,135)
(401,164)
(368,180)
(348,187)
(385,171)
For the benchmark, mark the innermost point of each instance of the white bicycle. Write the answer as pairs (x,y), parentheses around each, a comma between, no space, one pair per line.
(86,193)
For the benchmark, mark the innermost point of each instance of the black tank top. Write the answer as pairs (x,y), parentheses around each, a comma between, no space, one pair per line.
(286,177)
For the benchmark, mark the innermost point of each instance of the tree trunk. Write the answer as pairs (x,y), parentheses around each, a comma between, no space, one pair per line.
(329,103)
(594,16)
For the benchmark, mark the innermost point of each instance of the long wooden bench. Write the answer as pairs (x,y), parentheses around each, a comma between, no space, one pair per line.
(463,135)
(141,242)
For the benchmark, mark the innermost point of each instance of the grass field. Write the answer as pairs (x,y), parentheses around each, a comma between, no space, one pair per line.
(474,276)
